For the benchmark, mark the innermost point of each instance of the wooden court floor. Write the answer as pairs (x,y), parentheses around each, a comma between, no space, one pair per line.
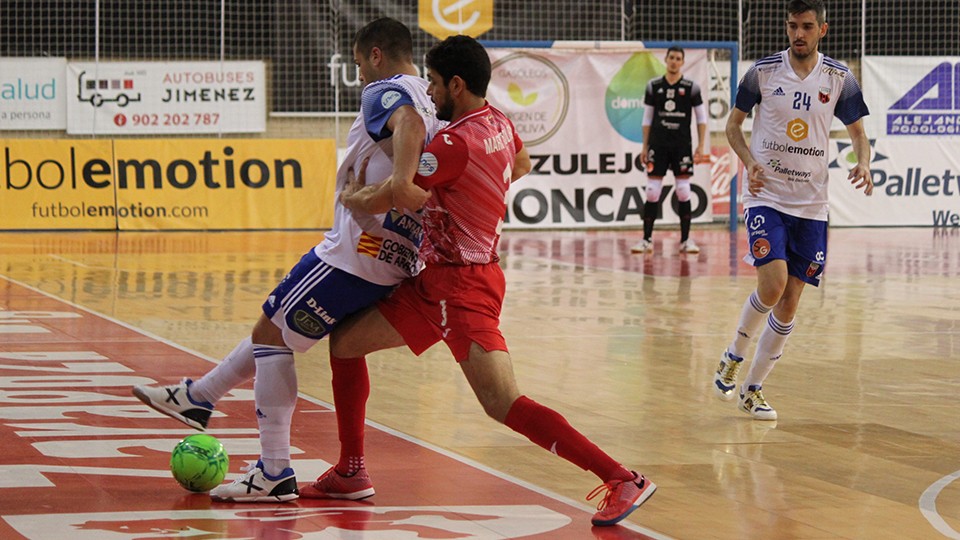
(868,389)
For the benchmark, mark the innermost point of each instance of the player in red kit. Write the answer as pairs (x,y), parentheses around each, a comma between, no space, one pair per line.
(457,298)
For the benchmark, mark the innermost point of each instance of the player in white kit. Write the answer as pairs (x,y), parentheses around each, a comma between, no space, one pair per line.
(359,260)
(796,92)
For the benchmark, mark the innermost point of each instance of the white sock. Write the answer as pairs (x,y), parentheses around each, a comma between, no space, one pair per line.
(275,392)
(751,317)
(769,349)
(235,369)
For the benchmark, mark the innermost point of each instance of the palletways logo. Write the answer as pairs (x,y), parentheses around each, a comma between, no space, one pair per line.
(624,95)
(931,107)
(533,92)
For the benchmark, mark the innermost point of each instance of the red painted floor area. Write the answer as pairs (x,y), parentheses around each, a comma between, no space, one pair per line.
(82,458)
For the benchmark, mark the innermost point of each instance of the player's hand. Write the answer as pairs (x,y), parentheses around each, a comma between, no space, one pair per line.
(643,157)
(354,182)
(860,177)
(757,178)
(409,196)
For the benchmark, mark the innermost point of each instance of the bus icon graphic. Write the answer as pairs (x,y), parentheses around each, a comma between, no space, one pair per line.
(100,91)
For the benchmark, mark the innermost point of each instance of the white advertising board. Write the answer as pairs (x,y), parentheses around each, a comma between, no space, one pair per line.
(32,94)
(166,97)
(579,113)
(916,183)
(912,95)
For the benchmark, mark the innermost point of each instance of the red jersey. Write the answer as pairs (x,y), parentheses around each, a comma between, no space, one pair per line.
(468,166)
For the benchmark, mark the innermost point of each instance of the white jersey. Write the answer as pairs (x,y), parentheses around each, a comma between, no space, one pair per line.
(791,130)
(381,248)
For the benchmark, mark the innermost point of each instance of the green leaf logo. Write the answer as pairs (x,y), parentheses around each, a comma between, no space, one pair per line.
(516,95)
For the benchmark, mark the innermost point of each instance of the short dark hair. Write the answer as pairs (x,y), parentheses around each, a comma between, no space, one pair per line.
(796,7)
(676,48)
(391,36)
(461,56)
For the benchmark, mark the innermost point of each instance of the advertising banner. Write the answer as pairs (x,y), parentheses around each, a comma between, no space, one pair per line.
(56,184)
(579,112)
(912,95)
(167,184)
(32,94)
(225,184)
(166,97)
(916,183)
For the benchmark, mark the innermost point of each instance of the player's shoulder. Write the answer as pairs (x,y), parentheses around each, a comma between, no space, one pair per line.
(831,66)
(769,63)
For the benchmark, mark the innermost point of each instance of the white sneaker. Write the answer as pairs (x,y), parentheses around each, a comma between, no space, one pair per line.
(175,402)
(256,486)
(689,246)
(753,403)
(645,246)
(725,379)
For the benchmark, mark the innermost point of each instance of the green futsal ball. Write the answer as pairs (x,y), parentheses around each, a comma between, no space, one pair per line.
(199,462)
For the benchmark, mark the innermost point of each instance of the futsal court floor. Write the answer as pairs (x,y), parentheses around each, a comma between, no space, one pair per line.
(867,445)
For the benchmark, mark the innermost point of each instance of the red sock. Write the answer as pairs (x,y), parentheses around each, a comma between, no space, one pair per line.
(351,388)
(548,429)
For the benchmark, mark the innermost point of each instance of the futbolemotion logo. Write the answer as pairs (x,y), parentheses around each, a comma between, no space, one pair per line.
(797,129)
(624,96)
(533,92)
(444,18)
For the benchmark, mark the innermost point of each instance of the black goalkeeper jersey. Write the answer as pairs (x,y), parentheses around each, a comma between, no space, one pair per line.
(673,106)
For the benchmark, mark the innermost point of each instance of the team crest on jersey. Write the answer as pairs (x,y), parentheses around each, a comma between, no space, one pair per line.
(682,91)
(760,248)
(824,94)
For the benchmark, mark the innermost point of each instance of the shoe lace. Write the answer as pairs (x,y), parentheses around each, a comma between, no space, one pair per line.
(609,488)
(759,401)
(728,373)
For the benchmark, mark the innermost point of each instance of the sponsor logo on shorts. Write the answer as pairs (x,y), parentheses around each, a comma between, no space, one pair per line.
(760,248)
(307,324)
(813,269)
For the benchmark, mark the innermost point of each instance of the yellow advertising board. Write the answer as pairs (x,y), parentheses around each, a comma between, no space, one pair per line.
(56,184)
(444,18)
(168,184)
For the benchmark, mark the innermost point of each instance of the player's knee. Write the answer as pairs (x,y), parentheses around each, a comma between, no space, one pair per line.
(683,190)
(267,333)
(653,189)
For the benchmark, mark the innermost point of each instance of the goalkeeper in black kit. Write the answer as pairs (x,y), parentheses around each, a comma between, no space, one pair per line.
(670,102)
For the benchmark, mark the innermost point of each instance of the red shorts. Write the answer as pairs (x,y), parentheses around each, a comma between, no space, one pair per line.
(457,304)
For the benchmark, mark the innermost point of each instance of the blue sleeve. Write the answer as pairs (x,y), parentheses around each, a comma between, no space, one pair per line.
(748,92)
(850,105)
(378,102)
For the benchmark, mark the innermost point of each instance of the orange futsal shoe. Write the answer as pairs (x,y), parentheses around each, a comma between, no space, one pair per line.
(333,485)
(622,497)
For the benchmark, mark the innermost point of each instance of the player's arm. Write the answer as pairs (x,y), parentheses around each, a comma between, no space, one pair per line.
(398,190)
(521,165)
(649,111)
(701,113)
(738,143)
(860,174)
(408,135)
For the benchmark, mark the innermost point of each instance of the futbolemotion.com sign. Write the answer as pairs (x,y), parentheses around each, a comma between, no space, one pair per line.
(167,184)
